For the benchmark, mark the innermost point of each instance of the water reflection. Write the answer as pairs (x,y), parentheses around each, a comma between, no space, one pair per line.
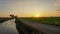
(8,27)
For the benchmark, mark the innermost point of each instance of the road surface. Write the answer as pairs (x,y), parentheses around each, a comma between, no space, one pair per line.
(49,29)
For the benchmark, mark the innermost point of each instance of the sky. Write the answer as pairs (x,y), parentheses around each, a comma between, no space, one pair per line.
(30,8)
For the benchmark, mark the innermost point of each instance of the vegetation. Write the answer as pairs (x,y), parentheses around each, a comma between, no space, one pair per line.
(2,19)
(45,20)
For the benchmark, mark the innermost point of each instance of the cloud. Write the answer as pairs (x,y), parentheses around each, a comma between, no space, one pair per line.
(57,3)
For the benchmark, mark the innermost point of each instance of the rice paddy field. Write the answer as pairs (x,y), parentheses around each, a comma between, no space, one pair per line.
(45,20)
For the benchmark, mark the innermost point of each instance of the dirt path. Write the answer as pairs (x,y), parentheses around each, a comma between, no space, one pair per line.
(49,29)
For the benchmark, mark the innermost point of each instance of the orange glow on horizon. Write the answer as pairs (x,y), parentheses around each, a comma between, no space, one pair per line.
(37,15)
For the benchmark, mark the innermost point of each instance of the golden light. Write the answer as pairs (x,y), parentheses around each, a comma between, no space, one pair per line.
(37,15)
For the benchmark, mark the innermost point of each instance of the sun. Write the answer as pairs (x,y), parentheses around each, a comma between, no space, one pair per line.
(37,15)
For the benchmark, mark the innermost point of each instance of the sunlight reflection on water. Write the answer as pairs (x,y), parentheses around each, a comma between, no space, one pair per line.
(8,27)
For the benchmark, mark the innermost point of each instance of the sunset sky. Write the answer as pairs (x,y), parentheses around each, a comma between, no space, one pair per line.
(29,8)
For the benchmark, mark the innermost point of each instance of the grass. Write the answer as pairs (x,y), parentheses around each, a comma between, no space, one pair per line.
(45,20)
(2,19)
